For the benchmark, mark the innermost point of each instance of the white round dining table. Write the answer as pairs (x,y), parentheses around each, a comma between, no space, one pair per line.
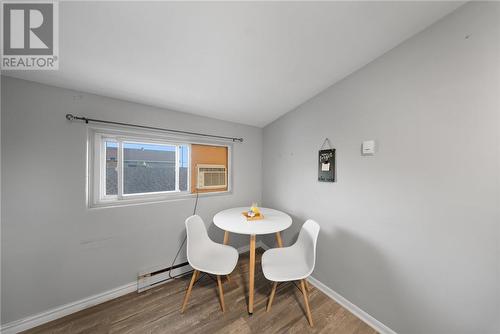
(233,221)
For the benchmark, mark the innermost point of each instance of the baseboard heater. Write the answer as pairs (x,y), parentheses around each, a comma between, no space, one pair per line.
(158,276)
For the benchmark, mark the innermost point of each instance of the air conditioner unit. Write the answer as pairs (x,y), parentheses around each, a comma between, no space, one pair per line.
(211,176)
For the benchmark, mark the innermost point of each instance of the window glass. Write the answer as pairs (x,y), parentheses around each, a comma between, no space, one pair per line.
(111,167)
(183,167)
(148,168)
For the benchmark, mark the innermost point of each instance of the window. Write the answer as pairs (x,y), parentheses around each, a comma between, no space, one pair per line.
(128,168)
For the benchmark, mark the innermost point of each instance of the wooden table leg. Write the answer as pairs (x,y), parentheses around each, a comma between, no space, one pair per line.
(251,273)
(226,241)
(278,239)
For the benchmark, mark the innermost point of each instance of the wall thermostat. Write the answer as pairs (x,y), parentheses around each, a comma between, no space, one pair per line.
(368,147)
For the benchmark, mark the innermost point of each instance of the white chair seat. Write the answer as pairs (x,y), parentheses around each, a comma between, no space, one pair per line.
(215,259)
(285,264)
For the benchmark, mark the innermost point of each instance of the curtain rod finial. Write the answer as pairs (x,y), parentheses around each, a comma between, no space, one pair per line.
(70,117)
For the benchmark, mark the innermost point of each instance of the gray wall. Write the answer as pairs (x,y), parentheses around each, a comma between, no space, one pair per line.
(54,249)
(410,235)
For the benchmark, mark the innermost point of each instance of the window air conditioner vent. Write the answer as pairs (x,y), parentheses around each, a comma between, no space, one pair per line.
(211,176)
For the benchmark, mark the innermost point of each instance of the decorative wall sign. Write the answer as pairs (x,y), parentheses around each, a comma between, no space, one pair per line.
(326,165)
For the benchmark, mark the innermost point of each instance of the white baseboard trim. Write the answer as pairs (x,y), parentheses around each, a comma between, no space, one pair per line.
(358,312)
(258,244)
(64,310)
(262,245)
(67,309)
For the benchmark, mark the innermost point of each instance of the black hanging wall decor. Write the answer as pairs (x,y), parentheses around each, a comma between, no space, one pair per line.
(326,163)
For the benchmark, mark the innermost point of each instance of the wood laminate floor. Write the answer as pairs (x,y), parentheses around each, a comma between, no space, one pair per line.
(158,310)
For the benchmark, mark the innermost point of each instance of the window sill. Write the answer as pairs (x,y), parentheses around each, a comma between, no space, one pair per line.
(154,199)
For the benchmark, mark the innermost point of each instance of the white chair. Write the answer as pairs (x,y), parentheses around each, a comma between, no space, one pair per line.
(294,263)
(206,256)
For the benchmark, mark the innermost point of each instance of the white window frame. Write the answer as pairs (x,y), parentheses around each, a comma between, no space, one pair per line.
(96,170)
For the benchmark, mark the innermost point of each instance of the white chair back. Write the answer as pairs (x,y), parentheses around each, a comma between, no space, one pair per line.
(307,240)
(197,237)
(206,256)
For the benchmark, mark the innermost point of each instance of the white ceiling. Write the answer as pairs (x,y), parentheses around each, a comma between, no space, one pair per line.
(244,62)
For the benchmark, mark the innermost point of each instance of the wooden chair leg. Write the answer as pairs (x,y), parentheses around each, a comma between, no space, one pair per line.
(221,294)
(190,288)
(271,296)
(197,276)
(307,285)
(306,301)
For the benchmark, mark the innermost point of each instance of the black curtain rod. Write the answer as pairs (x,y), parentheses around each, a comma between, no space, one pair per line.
(71,117)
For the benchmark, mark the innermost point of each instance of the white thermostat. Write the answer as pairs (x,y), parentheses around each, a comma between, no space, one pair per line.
(368,147)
